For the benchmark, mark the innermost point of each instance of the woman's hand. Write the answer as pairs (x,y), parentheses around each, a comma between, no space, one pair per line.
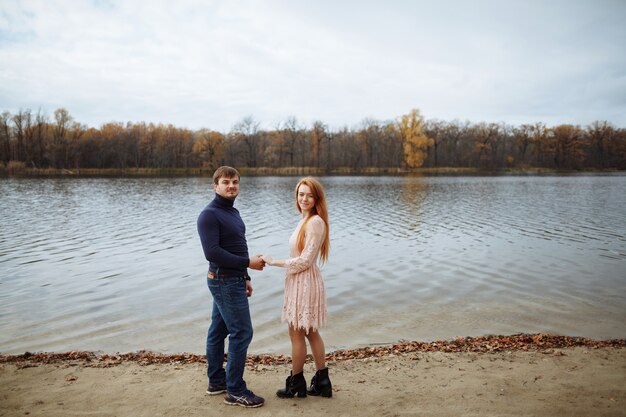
(267,259)
(272,262)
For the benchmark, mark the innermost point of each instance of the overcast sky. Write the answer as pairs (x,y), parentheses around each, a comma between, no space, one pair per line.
(211,63)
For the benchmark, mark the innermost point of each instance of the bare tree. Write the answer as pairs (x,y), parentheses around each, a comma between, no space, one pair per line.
(247,132)
(293,136)
(5,137)
(19,122)
(56,149)
(317,135)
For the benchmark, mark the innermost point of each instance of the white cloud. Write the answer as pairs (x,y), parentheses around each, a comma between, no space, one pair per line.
(211,63)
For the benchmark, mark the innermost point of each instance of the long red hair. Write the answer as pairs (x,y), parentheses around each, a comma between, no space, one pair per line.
(320,209)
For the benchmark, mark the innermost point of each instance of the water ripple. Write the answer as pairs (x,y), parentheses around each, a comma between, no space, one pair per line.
(116,265)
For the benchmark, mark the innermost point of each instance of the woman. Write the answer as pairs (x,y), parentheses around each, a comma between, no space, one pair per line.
(304,307)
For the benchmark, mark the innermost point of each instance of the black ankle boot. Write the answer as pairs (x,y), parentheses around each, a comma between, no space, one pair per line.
(320,384)
(295,386)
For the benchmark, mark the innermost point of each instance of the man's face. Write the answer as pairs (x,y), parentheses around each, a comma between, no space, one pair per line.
(227,187)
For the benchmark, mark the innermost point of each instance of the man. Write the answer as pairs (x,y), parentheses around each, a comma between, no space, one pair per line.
(222,234)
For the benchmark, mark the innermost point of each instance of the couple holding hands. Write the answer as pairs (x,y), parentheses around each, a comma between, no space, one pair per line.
(222,234)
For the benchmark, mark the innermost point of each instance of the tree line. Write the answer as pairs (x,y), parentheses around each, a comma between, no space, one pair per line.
(36,140)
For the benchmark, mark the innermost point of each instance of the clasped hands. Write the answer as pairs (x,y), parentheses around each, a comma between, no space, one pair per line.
(259,262)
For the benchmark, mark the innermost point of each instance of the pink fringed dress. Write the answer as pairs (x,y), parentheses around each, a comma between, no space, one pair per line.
(304,306)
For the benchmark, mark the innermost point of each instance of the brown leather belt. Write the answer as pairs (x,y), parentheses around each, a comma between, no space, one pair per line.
(212,275)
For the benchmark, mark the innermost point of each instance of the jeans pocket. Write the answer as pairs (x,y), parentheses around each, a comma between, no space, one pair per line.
(234,291)
(212,283)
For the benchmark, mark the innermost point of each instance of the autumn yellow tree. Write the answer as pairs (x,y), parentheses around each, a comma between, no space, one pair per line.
(208,148)
(568,146)
(415,143)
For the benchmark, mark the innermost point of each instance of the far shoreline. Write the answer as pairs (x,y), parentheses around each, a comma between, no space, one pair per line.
(292,171)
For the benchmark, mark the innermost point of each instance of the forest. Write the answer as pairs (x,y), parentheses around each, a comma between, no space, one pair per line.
(34,141)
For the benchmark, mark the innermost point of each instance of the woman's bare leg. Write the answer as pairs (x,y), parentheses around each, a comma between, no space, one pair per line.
(298,349)
(317,348)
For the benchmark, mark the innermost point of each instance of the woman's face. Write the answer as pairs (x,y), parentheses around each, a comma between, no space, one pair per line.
(305,198)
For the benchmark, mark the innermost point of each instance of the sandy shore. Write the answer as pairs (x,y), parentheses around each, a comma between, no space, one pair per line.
(577,381)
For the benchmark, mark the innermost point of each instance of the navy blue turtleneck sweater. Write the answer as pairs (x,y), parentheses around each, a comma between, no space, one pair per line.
(223,237)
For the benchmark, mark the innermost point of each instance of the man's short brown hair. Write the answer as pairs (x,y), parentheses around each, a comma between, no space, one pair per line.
(226,172)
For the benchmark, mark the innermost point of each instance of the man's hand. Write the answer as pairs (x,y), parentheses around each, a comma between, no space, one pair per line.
(257,263)
(248,288)
(267,259)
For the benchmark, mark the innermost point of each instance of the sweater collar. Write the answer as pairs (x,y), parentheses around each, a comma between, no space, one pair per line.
(222,201)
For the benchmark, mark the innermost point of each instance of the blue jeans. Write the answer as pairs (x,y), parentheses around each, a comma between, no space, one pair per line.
(230,317)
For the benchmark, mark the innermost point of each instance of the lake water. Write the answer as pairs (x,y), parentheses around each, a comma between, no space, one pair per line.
(115,265)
